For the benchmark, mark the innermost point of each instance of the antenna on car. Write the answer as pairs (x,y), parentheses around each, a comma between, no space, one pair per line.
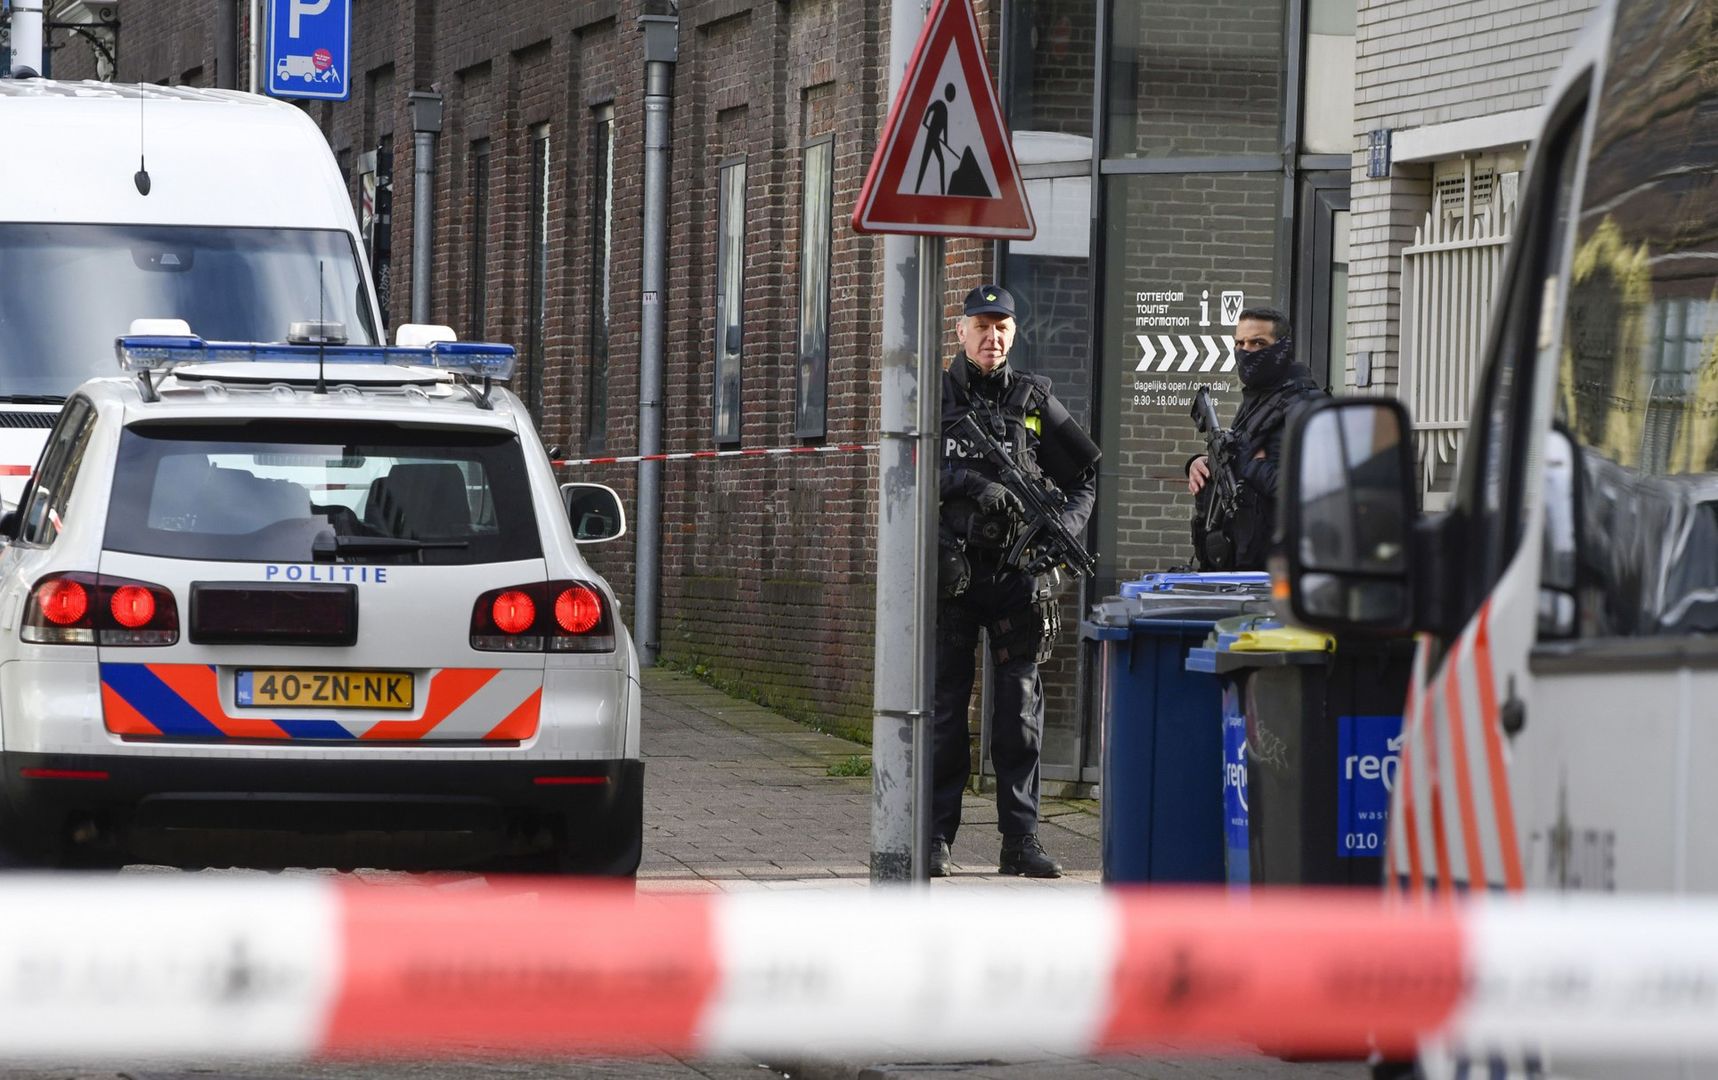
(142,177)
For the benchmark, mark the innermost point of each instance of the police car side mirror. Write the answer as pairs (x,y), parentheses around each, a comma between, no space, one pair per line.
(1347,515)
(594,511)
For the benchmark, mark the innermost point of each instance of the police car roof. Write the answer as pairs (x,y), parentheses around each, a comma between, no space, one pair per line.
(419,397)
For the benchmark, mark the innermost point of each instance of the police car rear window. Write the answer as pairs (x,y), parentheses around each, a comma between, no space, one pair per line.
(324,492)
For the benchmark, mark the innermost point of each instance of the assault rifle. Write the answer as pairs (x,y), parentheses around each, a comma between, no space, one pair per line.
(1044,542)
(1224,500)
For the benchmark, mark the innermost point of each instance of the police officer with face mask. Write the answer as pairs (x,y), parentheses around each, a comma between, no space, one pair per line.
(1273,384)
(979,589)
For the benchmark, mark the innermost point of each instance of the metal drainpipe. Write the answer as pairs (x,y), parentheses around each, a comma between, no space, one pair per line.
(227,44)
(27,36)
(661,52)
(426,125)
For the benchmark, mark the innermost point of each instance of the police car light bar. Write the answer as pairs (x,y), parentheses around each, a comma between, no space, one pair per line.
(162,353)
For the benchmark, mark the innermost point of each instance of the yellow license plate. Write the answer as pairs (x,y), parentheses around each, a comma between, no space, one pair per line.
(298,689)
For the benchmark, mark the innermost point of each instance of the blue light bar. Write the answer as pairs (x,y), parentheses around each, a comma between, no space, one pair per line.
(164,353)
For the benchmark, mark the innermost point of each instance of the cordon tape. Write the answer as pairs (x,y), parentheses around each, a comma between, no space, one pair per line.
(699,455)
(330,968)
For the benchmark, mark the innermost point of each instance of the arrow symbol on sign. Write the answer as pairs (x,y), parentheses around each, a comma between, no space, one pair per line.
(1228,362)
(1212,352)
(1150,352)
(1192,352)
(1168,352)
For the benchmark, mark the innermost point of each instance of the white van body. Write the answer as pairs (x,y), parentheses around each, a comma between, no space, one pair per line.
(244,183)
(1561,727)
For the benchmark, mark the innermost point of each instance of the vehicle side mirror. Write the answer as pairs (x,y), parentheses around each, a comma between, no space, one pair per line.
(1560,550)
(1347,500)
(594,511)
(9,526)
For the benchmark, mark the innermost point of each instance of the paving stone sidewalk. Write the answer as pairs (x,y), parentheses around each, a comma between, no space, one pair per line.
(739,797)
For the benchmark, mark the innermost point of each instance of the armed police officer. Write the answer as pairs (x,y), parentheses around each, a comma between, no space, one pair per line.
(1018,478)
(1273,384)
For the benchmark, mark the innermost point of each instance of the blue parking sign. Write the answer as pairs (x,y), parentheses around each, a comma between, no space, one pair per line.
(309,49)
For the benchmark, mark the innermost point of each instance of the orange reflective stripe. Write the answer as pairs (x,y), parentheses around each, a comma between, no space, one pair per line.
(1405,798)
(121,718)
(1492,724)
(1440,844)
(521,723)
(449,689)
(196,684)
(1476,875)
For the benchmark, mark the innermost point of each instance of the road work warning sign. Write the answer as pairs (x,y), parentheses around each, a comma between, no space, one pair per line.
(945,164)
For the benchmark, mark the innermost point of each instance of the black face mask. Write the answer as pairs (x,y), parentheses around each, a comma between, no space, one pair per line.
(1266,366)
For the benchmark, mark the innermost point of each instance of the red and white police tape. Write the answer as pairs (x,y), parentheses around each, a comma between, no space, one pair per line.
(698,455)
(93,969)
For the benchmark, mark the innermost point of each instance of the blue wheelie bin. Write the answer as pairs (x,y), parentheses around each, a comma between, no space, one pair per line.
(1162,811)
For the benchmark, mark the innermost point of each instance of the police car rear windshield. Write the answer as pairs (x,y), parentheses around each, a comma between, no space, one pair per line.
(72,288)
(332,493)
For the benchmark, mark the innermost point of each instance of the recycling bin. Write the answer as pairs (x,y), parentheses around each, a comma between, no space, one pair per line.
(1161,812)
(1225,582)
(1316,722)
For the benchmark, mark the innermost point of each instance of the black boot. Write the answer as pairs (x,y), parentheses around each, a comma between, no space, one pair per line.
(1024,855)
(939,857)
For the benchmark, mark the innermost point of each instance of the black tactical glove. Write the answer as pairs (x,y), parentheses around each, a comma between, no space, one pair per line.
(993,498)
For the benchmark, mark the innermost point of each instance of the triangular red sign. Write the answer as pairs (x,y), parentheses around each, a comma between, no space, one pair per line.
(945,164)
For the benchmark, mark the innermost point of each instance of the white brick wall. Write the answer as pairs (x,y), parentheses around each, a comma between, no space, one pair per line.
(1423,62)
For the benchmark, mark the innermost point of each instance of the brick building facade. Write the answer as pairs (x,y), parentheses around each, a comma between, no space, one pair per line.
(767,567)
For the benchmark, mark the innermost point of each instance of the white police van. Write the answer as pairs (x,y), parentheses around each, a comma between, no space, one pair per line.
(1559,732)
(268,605)
(221,208)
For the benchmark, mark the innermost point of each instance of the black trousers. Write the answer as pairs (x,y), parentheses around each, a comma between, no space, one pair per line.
(1016,717)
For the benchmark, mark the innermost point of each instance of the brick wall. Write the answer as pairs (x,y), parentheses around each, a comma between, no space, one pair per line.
(767,566)
(1422,62)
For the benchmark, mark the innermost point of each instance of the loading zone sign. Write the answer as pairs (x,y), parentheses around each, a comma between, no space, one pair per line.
(309,49)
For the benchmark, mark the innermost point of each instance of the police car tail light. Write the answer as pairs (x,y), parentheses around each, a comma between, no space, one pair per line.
(96,609)
(578,610)
(133,606)
(545,616)
(514,612)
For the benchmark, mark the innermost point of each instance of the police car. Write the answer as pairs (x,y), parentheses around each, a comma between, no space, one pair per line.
(307,604)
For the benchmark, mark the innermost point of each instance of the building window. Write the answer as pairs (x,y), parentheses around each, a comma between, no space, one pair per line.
(537,288)
(477,276)
(602,235)
(730,290)
(817,196)
(375,219)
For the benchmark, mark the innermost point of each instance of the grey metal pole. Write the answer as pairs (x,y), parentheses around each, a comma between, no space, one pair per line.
(255,64)
(901,680)
(227,44)
(661,52)
(27,36)
(426,125)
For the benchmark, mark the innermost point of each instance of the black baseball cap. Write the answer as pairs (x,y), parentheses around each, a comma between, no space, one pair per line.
(990,300)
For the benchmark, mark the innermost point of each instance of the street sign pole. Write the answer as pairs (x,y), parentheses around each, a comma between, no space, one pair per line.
(944,112)
(901,719)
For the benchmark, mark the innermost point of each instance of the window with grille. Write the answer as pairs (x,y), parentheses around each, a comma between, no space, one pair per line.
(477,277)
(602,236)
(537,287)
